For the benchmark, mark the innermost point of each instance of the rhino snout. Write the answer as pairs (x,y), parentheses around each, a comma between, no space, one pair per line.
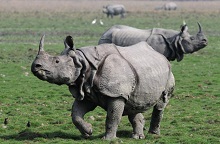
(36,67)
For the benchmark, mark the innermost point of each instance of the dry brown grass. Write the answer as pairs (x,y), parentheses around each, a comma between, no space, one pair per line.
(96,5)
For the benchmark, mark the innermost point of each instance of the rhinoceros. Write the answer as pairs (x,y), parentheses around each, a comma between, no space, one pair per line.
(168,6)
(121,80)
(113,10)
(172,44)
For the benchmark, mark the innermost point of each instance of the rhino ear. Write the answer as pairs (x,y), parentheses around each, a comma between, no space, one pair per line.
(184,28)
(68,42)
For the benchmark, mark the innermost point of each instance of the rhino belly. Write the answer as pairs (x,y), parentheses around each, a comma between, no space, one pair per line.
(153,72)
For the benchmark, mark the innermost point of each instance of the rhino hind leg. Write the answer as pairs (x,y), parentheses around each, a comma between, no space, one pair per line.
(155,121)
(158,109)
(114,113)
(157,114)
(79,109)
(138,122)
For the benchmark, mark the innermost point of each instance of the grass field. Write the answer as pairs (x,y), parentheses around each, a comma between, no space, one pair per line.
(192,116)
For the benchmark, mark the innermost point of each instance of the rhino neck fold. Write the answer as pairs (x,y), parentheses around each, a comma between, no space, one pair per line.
(170,39)
(174,46)
(170,47)
(179,50)
(83,73)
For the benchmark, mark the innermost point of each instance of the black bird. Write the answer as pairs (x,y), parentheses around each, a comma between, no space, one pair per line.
(6,121)
(28,124)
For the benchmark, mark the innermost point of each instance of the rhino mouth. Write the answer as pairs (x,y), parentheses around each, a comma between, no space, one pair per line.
(41,74)
(204,43)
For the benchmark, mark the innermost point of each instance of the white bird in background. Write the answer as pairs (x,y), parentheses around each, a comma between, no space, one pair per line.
(94,21)
(100,21)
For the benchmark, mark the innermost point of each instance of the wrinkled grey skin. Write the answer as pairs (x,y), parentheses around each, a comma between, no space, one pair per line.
(114,10)
(172,44)
(121,80)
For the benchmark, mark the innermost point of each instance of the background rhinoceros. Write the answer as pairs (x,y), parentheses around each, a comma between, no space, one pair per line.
(170,6)
(172,44)
(121,80)
(113,10)
(167,6)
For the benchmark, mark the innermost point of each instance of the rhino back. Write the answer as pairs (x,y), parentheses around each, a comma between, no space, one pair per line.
(107,35)
(129,36)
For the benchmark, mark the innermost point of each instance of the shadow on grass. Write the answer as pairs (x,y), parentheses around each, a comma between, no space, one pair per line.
(30,135)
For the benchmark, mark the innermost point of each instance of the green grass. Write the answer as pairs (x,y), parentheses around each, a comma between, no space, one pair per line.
(192,115)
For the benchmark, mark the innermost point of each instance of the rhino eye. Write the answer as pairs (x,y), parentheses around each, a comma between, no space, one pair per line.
(57,61)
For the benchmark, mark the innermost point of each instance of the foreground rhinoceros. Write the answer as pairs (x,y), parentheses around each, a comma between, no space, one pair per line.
(172,44)
(121,80)
(113,10)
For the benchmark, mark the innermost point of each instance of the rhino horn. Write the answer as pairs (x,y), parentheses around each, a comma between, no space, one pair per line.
(41,45)
(200,28)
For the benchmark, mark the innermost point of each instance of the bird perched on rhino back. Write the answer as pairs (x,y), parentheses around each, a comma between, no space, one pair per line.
(121,80)
(172,44)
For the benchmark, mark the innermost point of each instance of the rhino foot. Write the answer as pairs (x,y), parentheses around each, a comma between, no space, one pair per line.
(138,136)
(157,132)
(87,131)
(109,137)
(87,135)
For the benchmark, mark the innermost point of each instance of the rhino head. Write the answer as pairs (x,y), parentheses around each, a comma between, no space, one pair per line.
(59,69)
(191,43)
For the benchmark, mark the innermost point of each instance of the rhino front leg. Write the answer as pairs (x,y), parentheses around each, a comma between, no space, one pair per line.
(138,122)
(79,109)
(114,113)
